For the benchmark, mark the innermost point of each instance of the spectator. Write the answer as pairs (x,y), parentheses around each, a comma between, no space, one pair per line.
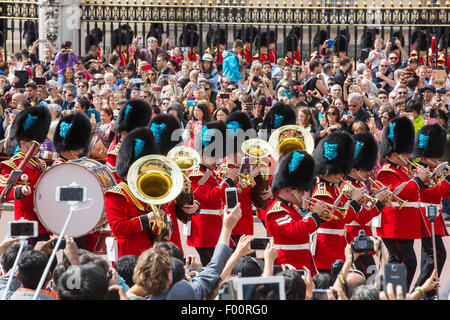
(150,54)
(414,111)
(344,66)
(356,111)
(410,71)
(376,55)
(383,77)
(69,94)
(221,114)
(125,268)
(231,62)
(65,58)
(154,268)
(328,123)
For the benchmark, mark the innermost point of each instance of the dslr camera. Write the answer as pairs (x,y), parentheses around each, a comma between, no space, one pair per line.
(362,243)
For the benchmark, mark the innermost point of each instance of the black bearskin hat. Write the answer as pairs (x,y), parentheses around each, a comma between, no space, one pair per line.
(2,39)
(367,39)
(31,124)
(137,113)
(366,151)
(73,132)
(398,136)
(420,40)
(237,124)
(138,143)
(296,31)
(280,114)
(30,32)
(156,31)
(430,141)
(340,44)
(319,38)
(399,36)
(214,37)
(212,141)
(189,38)
(122,36)
(334,154)
(290,43)
(296,170)
(162,126)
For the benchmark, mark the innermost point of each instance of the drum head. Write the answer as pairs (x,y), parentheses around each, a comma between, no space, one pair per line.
(53,214)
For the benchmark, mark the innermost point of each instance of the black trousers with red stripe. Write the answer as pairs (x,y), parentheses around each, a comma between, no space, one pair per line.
(205,254)
(427,260)
(402,251)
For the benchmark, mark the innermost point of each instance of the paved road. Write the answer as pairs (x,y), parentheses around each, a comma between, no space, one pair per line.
(260,231)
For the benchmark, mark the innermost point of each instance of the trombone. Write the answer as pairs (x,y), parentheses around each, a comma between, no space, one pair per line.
(368,201)
(400,201)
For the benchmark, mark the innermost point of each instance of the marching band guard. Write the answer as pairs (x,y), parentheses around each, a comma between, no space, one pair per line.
(400,225)
(32,124)
(429,147)
(135,114)
(204,229)
(163,127)
(364,159)
(284,220)
(71,141)
(129,218)
(238,124)
(333,159)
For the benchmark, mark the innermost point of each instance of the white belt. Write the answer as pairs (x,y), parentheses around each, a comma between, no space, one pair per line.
(303,246)
(216,212)
(353,223)
(339,232)
(414,204)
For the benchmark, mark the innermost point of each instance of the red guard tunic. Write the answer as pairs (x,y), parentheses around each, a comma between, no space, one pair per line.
(245,223)
(206,226)
(297,59)
(360,221)
(171,211)
(429,196)
(331,242)
(260,57)
(290,232)
(396,223)
(111,159)
(247,56)
(126,216)
(272,56)
(23,208)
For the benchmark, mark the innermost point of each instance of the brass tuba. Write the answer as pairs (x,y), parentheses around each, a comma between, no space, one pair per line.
(187,159)
(289,138)
(155,180)
(259,149)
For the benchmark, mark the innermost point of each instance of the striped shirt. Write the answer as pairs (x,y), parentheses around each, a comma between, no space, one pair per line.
(406,74)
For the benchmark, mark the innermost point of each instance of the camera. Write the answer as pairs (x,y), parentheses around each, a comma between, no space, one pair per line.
(431,212)
(362,243)
(71,194)
(256,78)
(22,228)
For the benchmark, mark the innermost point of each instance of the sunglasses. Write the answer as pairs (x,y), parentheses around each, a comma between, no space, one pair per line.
(392,58)
(384,65)
(352,105)
(332,113)
(83,86)
(78,78)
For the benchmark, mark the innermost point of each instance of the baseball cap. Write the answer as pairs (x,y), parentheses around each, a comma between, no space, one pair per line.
(248,267)
(207,57)
(430,87)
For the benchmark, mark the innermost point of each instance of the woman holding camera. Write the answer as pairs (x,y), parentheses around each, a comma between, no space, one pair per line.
(199,117)
(329,123)
(65,58)
(208,71)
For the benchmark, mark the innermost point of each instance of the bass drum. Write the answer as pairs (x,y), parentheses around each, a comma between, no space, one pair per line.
(90,216)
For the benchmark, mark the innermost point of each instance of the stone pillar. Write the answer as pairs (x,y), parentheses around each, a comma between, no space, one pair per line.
(59,21)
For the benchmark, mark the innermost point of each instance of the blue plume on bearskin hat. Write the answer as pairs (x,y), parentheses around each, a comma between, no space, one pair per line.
(136,113)
(295,170)
(334,154)
(72,132)
(398,136)
(162,126)
(32,123)
(366,151)
(280,114)
(430,141)
(206,139)
(238,123)
(138,143)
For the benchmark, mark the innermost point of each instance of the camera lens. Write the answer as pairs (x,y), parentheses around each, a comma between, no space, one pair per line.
(394,267)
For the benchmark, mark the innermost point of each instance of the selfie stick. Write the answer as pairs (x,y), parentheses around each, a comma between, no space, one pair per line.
(433,240)
(23,242)
(73,208)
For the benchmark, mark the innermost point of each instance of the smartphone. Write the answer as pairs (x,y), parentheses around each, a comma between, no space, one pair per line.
(157,88)
(330,43)
(259,243)
(22,229)
(300,272)
(245,165)
(392,40)
(39,80)
(320,294)
(395,273)
(191,103)
(184,49)
(224,96)
(76,194)
(147,67)
(231,197)
(93,116)
(136,80)
(269,75)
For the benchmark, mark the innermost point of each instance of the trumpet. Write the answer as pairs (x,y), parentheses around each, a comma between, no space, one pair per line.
(368,201)
(328,214)
(400,201)
(430,182)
